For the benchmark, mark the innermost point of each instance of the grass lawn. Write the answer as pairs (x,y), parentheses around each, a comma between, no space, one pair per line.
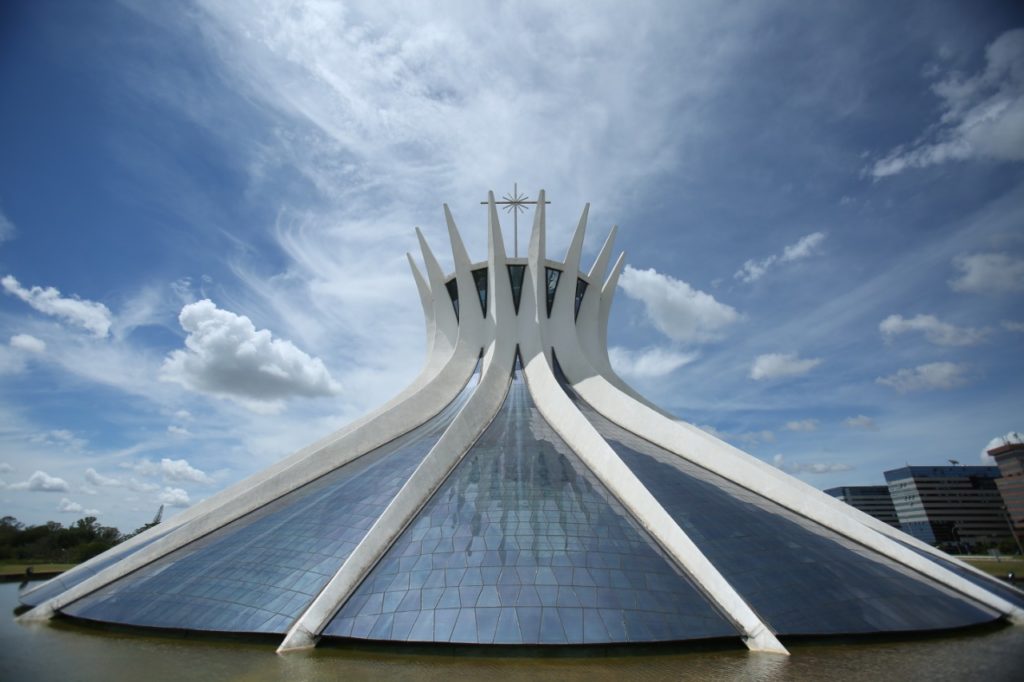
(1000,568)
(7,570)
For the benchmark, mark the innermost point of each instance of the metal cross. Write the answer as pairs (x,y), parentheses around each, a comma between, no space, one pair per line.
(514,203)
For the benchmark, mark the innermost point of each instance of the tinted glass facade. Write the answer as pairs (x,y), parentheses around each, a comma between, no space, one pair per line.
(480,279)
(258,573)
(515,278)
(552,276)
(581,290)
(61,583)
(799,576)
(523,545)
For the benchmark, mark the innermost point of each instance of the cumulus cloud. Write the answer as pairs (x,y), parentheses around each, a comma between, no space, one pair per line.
(934,375)
(982,114)
(171,470)
(802,425)
(807,245)
(179,431)
(675,308)
(778,365)
(998,442)
(651,362)
(935,330)
(66,506)
(860,422)
(225,355)
(809,467)
(92,476)
(42,482)
(174,497)
(983,273)
(93,316)
(28,343)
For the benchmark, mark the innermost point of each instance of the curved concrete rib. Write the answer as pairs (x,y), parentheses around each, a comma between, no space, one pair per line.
(563,416)
(716,456)
(439,352)
(299,469)
(435,468)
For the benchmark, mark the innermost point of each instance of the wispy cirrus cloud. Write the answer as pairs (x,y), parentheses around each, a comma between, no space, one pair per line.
(806,246)
(647,363)
(93,316)
(982,115)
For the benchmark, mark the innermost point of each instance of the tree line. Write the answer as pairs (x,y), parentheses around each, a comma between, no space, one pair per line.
(52,542)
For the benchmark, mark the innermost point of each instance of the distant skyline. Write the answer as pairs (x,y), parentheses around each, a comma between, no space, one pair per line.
(205,209)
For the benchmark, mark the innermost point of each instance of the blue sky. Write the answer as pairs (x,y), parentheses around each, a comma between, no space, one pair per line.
(205,210)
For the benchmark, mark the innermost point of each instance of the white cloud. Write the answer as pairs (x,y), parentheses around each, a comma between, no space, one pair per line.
(1013,326)
(227,356)
(807,245)
(7,230)
(42,482)
(28,343)
(651,362)
(934,329)
(66,506)
(998,442)
(174,497)
(935,375)
(92,476)
(988,273)
(5,468)
(675,308)
(754,437)
(179,431)
(802,425)
(777,365)
(983,114)
(860,422)
(809,467)
(88,314)
(172,470)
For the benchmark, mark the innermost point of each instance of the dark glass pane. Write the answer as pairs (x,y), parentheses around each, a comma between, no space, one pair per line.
(799,576)
(480,278)
(65,582)
(552,276)
(259,572)
(523,545)
(581,289)
(453,292)
(1007,592)
(515,276)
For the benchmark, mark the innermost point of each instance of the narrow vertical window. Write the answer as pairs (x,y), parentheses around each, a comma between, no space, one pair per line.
(552,276)
(515,278)
(581,289)
(453,292)
(480,278)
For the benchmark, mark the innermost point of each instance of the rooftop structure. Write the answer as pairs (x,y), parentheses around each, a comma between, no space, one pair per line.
(873,500)
(1009,457)
(518,492)
(954,505)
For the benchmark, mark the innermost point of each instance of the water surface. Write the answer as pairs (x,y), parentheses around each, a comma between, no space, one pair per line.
(64,651)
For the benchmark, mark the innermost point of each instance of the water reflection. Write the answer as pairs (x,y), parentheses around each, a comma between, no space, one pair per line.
(63,651)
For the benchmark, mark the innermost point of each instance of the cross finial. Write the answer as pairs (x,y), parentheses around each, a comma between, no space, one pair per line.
(514,203)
